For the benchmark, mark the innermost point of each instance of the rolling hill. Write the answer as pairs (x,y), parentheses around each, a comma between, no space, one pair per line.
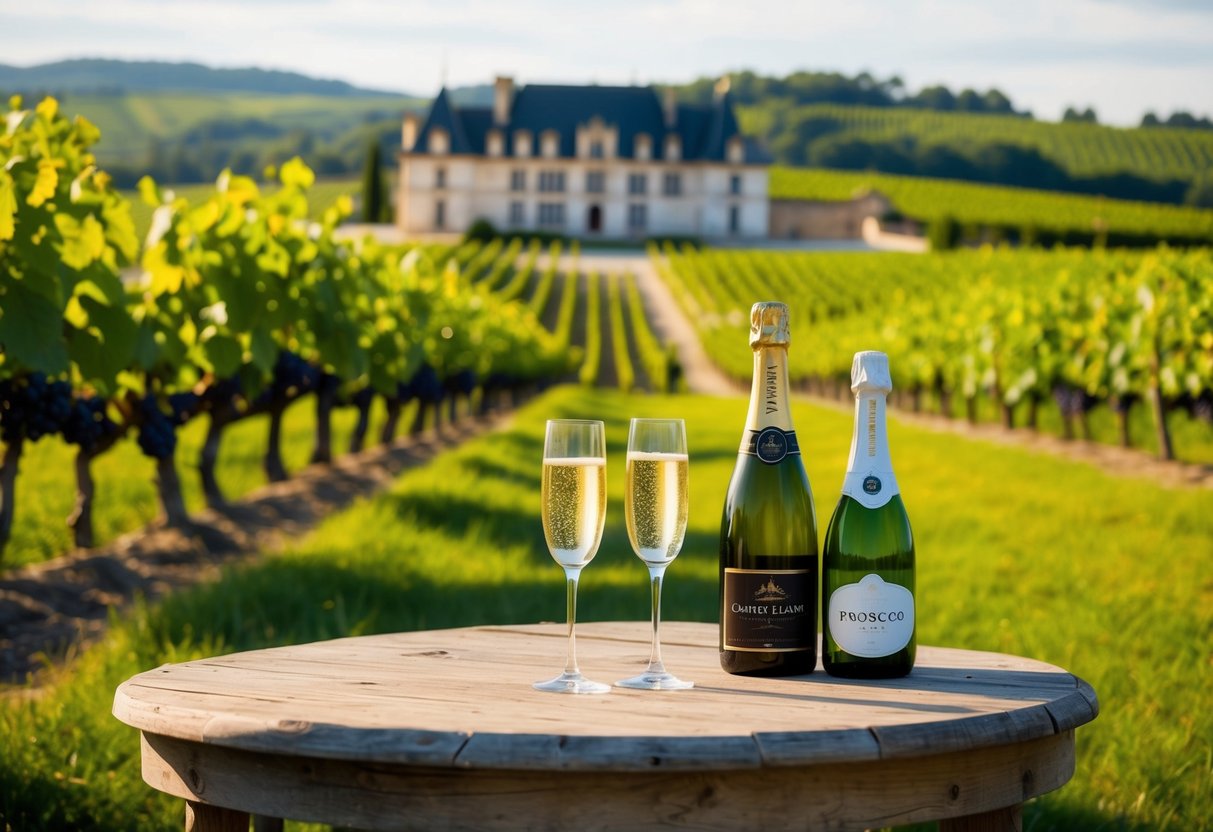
(93,75)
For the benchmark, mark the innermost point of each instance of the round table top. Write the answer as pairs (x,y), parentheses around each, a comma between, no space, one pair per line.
(463,698)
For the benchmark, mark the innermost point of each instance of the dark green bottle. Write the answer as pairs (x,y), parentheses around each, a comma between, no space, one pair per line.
(768,533)
(867,578)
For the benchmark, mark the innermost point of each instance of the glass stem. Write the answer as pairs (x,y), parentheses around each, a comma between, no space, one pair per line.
(570,663)
(655,664)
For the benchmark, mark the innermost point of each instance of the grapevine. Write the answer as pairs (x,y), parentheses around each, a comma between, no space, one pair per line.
(1014,328)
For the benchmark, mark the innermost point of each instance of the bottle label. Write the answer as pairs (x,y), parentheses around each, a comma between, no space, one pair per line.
(771,445)
(870,488)
(872,618)
(769,611)
(869,479)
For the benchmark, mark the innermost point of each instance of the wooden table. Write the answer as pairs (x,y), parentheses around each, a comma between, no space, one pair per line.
(441,730)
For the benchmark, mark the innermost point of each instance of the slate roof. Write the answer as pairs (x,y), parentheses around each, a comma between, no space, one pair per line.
(704,131)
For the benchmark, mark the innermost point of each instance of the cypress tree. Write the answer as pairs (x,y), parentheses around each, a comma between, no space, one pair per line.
(372,186)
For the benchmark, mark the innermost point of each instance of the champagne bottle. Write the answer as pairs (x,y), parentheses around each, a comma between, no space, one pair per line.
(768,534)
(867,579)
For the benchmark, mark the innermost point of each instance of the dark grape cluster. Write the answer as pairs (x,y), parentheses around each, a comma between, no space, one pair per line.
(462,382)
(183,405)
(1073,401)
(1202,407)
(426,385)
(1124,402)
(292,376)
(363,398)
(32,407)
(224,393)
(157,434)
(88,423)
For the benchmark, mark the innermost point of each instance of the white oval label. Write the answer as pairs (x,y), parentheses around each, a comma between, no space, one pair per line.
(872,618)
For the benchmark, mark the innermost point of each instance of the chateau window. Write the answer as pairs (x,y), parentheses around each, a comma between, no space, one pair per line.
(496,143)
(440,178)
(522,144)
(735,184)
(438,142)
(673,149)
(735,151)
(517,214)
(734,219)
(596,151)
(551,181)
(550,141)
(644,147)
(595,182)
(440,214)
(638,216)
(551,214)
(671,184)
(518,179)
(638,183)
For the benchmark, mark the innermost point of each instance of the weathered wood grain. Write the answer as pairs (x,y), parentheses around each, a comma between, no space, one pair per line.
(1009,819)
(199,817)
(463,697)
(850,796)
(442,729)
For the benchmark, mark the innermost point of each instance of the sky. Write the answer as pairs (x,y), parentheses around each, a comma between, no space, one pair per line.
(1121,57)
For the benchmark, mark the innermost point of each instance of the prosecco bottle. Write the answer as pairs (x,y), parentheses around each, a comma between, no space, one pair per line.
(867,579)
(768,534)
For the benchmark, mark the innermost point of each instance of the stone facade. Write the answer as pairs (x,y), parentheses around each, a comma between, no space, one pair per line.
(802,219)
(589,162)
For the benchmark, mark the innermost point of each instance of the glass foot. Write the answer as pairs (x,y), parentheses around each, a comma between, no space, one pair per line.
(655,681)
(571,683)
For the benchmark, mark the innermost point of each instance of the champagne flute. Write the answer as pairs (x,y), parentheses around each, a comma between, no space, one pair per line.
(574,511)
(656,511)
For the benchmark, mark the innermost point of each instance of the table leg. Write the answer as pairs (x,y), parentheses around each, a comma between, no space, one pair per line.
(201,817)
(1009,819)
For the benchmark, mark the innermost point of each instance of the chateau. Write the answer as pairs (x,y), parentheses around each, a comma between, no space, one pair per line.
(586,161)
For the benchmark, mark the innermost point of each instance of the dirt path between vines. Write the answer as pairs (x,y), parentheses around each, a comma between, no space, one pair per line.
(666,317)
(49,611)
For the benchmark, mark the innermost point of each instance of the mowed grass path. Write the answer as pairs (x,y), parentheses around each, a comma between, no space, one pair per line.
(1109,578)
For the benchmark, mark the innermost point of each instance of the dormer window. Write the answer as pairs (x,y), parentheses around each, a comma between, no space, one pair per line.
(439,143)
(673,148)
(644,147)
(735,151)
(495,144)
(596,149)
(550,144)
(522,143)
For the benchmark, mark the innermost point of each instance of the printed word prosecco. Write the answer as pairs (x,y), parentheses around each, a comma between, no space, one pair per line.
(872,617)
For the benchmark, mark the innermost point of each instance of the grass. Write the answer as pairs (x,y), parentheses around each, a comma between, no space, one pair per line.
(126,495)
(1109,578)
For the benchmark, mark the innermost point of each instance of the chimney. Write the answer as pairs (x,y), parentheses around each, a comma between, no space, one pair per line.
(408,132)
(722,89)
(669,108)
(503,100)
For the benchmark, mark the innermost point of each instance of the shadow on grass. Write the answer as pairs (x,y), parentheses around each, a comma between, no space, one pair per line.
(290,601)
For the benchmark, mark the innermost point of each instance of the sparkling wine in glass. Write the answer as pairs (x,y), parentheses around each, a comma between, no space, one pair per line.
(574,511)
(656,511)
